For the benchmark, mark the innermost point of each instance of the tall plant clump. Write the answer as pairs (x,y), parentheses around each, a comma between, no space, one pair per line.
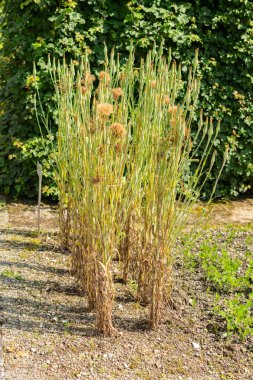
(162,149)
(124,152)
(93,146)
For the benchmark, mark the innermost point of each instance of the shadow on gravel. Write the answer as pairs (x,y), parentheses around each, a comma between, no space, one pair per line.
(9,244)
(52,304)
(40,316)
(29,233)
(47,286)
(126,298)
(36,267)
(132,324)
(23,232)
(43,317)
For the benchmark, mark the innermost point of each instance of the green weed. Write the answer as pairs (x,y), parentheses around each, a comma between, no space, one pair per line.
(9,273)
(237,313)
(230,277)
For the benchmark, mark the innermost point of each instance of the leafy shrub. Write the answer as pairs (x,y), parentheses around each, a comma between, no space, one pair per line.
(223,32)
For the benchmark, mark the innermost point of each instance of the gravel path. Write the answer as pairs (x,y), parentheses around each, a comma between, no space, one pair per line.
(37,319)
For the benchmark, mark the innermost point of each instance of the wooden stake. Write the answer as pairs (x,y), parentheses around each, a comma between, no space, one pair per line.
(39,172)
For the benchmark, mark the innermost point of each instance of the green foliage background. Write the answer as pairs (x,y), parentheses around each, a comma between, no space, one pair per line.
(31,29)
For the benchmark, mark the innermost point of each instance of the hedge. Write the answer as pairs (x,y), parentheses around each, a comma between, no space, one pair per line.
(32,29)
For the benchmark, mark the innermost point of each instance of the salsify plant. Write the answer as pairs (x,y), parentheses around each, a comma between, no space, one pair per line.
(125,149)
(169,187)
(93,145)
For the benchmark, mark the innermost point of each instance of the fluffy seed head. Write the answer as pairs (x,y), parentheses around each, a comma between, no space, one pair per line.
(173,122)
(105,109)
(173,109)
(101,149)
(97,179)
(118,129)
(166,99)
(103,75)
(153,84)
(118,147)
(92,126)
(83,89)
(89,78)
(117,92)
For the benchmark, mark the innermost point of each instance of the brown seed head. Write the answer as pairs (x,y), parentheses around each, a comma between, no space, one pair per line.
(83,89)
(104,76)
(173,122)
(89,78)
(118,147)
(97,179)
(92,126)
(173,109)
(118,129)
(105,109)
(101,149)
(153,84)
(117,92)
(166,99)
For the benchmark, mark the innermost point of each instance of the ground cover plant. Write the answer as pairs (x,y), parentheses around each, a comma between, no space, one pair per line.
(227,267)
(123,168)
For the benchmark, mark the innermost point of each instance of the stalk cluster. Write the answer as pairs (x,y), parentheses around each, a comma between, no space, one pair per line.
(125,181)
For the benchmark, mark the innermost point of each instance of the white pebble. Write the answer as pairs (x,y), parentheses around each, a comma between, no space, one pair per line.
(196,346)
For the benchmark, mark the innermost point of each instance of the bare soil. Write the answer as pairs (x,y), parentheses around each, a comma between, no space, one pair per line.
(48,333)
(239,211)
